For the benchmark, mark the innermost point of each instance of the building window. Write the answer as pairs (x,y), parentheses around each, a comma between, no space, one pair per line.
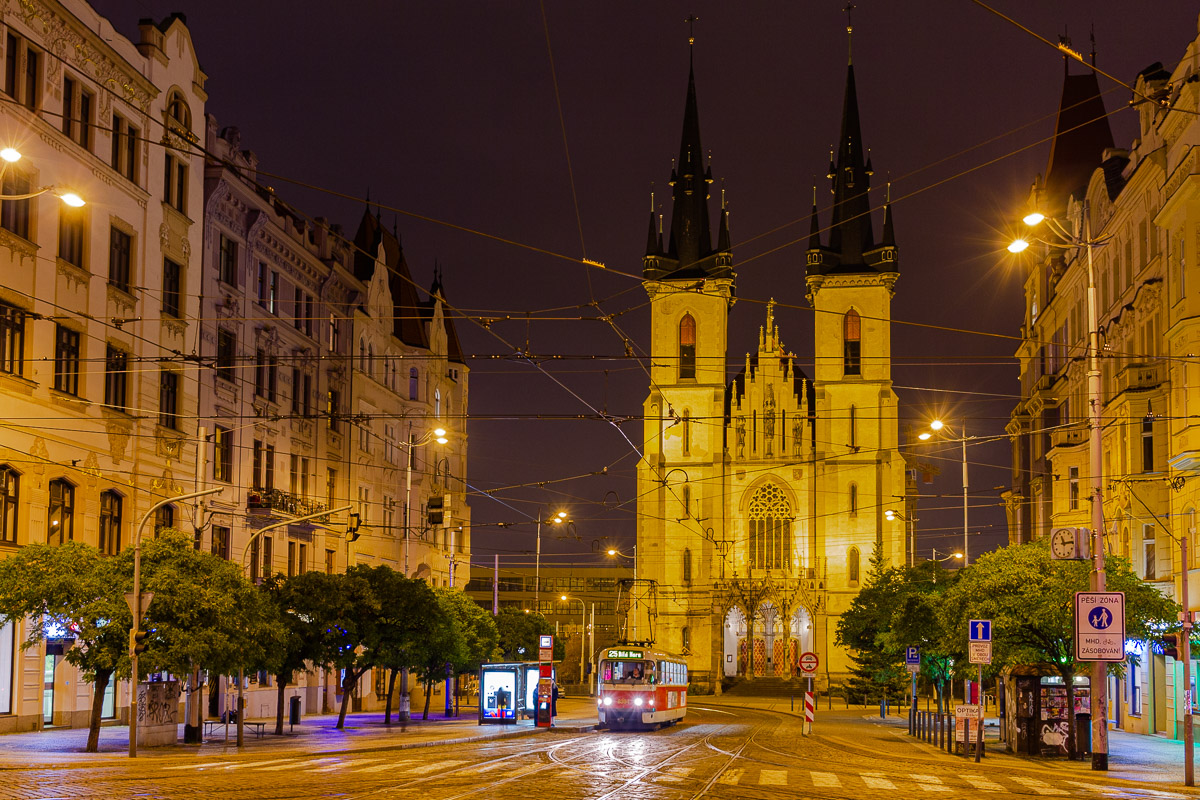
(266,375)
(66,360)
(335,337)
(168,399)
(854,499)
(227,260)
(852,566)
(22,71)
(437,403)
(414,382)
(1148,553)
(854,428)
(852,346)
(222,454)
(291,559)
(1148,442)
(302,309)
(14,214)
(268,545)
(263,466)
(1073,488)
(332,401)
(226,354)
(330,561)
(78,103)
(687,347)
(268,288)
(10,496)
(60,521)
(686,422)
(110,523)
(120,245)
(1135,686)
(330,486)
(171,289)
(12,339)
(71,234)
(687,565)
(179,116)
(164,518)
(116,378)
(770,529)
(220,541)
(255,560)
(124,147)
(175,175)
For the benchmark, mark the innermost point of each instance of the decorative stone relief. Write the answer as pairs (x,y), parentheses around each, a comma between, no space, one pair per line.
(91,468)
(41,457)
(118,440)
(164,236)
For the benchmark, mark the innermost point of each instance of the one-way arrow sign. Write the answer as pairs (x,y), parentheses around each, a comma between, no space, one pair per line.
(980,630)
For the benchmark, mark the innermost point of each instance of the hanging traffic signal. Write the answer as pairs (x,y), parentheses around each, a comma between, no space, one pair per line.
(435,511)
(1170,645)
(139,641)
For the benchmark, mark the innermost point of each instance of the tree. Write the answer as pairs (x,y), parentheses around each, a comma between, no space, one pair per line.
(915,622)
(876,669)
(408,614)
(519,632)
(351,612)
(444,645)
(1029,598)
(73,588)
(480,637)
(298,606)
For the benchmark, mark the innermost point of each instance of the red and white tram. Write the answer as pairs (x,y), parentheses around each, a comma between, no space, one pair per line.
(641,688)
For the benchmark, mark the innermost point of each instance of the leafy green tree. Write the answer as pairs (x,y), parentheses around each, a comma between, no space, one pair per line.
(445,645)
(408,615)
(1029,598)
(299,608)
(351,612)
(74,588)
(877,669)
(519,632)
(915,622)
(479,634)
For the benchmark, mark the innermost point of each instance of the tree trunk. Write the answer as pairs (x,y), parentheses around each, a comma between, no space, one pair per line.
(387,712)
(280,687)
(98,690)
(348,684)
(1072,745)
(428,693)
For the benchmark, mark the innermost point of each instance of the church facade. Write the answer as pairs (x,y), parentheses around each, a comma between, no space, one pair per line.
(762,497)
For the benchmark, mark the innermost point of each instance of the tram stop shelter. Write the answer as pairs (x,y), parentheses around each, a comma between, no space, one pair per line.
(506,692)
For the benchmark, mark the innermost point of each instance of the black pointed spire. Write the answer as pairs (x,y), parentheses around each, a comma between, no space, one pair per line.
(814,229)
(889,231)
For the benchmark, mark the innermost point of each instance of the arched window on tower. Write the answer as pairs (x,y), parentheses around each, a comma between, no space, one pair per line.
(687,347)
(413,383)
(854,499)
(686,422)
(852,566)
(770,529)
(852,346)
(437,403)
(854,429)
(687,565)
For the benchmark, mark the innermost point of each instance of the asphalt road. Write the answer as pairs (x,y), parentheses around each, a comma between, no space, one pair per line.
(715,753)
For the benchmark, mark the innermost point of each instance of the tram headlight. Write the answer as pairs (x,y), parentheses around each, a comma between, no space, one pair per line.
(608,701)
(637,701)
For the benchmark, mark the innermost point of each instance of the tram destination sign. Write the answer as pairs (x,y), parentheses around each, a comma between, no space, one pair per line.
(1100,626)
(624,653)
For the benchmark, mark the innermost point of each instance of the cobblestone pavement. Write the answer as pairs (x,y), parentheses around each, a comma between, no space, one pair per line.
(717,752)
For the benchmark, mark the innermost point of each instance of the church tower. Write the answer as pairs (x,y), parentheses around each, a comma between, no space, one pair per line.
(859,472)
(690,284)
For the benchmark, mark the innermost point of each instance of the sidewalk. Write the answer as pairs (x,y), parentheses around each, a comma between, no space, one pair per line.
(316,733)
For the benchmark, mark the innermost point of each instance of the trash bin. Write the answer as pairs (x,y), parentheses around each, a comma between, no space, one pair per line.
(294,711)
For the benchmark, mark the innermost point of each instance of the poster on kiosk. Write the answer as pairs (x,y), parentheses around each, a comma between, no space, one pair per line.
(545,686)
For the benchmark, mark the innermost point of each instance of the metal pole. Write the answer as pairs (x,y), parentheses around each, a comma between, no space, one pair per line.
(537,568)
(582,638)
(1099,668)
(136,608)
(1189,755)
(404,713)
(592,642)
(496,585)
(979,741)
(966,553)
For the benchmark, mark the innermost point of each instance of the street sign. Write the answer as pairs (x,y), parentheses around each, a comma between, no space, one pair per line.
(961,715)
(545,648)
(980,652)
(1100,626)
(809,662)
(980,630)
(972,710)
(912,659)
(146,598)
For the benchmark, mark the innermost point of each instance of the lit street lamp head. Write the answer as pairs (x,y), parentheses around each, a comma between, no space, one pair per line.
(10,154)
(1018,246)
(1033,218)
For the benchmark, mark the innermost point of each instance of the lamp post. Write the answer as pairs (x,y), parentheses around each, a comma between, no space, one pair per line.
(582,631)
(891,515)
(938,425)
(1067,238)
(946,557)
(557,519)
(135,607)
(612,551)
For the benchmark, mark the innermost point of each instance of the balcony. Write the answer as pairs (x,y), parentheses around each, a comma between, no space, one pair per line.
(1140,376)
(267,500)
(1069,436)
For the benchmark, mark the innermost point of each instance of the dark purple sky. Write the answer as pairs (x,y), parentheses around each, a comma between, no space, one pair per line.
(448,110)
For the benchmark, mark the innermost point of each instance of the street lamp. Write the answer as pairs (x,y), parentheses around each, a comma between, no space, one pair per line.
(946,557)
(135,607)
(891,515)
(612,551)
(582,630)
(557,519)
(938,425)
(1065,237)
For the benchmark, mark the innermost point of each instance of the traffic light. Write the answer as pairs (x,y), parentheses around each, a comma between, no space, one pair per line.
(139,642)
(435,511)
(352,530)
(1170,645)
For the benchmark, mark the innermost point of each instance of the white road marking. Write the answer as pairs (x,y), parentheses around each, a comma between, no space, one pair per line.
(714,710)
(731,776)
(929,783)
(203,765)
(772,777)
(434,767)
(1121,792)
(485,768)
(257,764)
(875,780)
(675,774)
(380,767)
(982,784)
(1041,787)
(304,766)
(825,779)
(345,764)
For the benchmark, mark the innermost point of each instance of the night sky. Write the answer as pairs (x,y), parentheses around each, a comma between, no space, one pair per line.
(464,114)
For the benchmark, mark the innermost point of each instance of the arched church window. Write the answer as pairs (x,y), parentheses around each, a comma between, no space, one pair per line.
(686,421)
(437,403)
(852,566)
(854,499)
(687,565)
(686,501)
(852,346)
(687,347)
(854,428)
(413,383)
(770,529)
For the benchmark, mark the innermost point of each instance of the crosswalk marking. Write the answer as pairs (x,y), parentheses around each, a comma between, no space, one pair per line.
(982,784)
(203,765)
(731,776)
(257,764)
(279,767)
(675,774)
(929,783)
(825,779)
(1041,787)
(485,768)
(345,764)
(436,765)
(772,777)
(875,780)
(380,767)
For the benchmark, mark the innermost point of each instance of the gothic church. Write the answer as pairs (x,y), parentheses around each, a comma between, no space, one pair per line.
(761,498)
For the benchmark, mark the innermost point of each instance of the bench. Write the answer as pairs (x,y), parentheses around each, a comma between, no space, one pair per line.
(257,728)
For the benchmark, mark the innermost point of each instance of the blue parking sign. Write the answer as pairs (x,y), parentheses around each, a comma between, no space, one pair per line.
(912,655)
(980,630)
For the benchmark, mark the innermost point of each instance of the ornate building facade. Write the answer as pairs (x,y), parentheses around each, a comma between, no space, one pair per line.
(762,497)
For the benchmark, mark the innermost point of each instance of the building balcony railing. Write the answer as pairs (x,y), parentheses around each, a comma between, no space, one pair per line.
(260,500)
(1069,436)
(1141,376)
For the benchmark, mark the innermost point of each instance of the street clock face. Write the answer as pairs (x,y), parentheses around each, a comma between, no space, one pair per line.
(1062,543)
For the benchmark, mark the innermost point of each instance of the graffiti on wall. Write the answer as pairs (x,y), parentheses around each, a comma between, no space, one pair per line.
(158,703)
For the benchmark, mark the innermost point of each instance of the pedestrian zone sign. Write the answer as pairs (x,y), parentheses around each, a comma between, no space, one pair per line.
(1099,626)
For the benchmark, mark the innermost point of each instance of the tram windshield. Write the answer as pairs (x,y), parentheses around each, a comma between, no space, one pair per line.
(627,671)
